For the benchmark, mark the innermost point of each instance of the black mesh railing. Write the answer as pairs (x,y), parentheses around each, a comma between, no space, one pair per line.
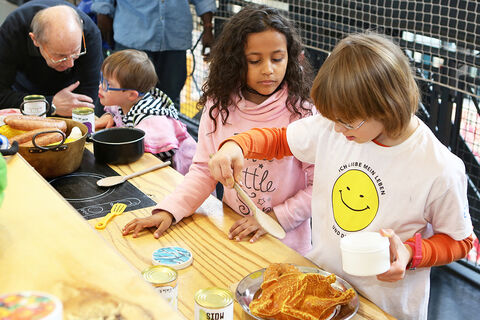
(442,40)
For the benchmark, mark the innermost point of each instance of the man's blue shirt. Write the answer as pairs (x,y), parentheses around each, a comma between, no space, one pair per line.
(157,25)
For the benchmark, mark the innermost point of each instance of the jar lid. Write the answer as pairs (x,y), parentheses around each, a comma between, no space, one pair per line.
(213,298)
(159,274)
(83,110)
(174,257)
(33,97)
(364,242)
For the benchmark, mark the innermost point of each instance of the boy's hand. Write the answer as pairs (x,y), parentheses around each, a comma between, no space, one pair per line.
(244,227)
(400,256)
(161,219)
(105,121)
(227,163)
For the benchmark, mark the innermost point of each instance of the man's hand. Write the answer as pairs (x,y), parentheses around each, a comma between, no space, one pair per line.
(207,42)
(105,24)
(105,121)
(207,37)
(65,100)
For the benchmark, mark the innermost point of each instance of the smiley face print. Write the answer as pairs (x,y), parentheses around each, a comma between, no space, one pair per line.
(354,200)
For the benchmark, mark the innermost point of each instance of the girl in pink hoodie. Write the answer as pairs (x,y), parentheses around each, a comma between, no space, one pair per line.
(258,78)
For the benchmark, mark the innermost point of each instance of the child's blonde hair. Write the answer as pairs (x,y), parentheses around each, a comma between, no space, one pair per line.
(132,69)
(367,76)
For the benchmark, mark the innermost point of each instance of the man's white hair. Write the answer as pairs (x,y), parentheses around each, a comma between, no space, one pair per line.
(43,19)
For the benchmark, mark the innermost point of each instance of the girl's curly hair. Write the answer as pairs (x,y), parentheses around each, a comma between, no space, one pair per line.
(228,65)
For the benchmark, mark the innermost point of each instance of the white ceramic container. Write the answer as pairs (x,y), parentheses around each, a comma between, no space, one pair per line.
(365,253)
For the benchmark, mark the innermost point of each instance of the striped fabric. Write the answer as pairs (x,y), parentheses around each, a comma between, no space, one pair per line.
(167,156)
(154,103)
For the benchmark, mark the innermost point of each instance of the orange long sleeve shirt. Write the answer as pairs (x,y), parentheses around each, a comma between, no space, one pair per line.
(269,143)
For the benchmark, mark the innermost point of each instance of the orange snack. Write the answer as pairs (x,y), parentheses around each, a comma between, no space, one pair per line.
(289,294)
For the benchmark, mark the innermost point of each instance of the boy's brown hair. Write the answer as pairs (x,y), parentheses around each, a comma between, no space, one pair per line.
(367,76)
(132,69)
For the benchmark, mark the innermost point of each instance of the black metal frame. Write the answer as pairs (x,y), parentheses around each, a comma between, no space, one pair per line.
(322,30)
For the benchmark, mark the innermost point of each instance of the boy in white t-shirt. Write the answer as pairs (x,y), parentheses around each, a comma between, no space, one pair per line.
(377,168)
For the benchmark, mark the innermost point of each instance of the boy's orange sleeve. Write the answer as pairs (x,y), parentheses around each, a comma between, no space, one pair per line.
(441,249)
(266,143)
(269,143)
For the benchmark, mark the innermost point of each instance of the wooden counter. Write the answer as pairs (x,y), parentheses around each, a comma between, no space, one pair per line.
(218,261)
(45,245)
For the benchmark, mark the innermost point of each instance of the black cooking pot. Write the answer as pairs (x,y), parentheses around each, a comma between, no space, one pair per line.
(118,145)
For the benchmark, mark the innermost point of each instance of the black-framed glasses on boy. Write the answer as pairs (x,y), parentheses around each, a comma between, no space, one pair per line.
(106,86)
(83,50)
(349,126)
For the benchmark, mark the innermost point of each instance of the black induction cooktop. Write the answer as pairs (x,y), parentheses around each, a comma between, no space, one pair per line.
(91,201)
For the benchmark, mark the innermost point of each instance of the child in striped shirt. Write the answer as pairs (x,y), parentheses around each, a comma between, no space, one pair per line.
(127,90)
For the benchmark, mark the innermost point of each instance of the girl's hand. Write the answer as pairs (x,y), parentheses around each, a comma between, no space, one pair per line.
(244,227)
(227,163)
(161,219)
(105,121)
(400,256)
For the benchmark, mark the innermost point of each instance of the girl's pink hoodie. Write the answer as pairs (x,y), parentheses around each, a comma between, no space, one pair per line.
(284,186)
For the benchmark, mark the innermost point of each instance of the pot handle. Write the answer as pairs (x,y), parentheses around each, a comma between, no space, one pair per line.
(10,151)
(45,148)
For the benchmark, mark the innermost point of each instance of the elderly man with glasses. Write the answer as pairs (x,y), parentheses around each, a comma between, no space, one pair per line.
(48,47)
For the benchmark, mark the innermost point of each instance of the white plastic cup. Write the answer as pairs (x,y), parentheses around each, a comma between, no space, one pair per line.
(365,253)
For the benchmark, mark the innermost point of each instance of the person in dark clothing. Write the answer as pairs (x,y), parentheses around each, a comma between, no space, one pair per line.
(49,47)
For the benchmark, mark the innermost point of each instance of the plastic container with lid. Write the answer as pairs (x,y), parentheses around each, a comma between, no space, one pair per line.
(173,257)
(365,253)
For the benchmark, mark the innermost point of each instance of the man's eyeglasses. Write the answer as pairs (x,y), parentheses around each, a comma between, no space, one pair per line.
(106,87)
(73,56)
(350,127)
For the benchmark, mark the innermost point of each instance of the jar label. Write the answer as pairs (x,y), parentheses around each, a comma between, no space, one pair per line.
(34,105)
(225,313)
(88,119)
(170,294)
